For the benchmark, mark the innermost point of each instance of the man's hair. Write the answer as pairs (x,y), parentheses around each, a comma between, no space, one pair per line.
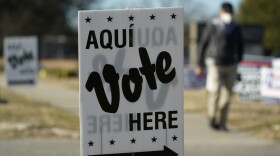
(227,7)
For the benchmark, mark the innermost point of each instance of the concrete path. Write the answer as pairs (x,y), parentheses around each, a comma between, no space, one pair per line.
(199,139)
(202,141)
(56,95)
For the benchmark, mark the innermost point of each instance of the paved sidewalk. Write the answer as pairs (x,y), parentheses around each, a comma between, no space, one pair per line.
(53,94)
(202,141)
(199,139)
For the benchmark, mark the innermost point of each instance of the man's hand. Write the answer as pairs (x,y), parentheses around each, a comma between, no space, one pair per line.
(198,71)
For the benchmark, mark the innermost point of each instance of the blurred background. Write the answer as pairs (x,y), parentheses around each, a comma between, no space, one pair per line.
(39,121)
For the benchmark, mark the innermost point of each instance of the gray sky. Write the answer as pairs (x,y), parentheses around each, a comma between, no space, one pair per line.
(213,5)
(195,10)
(203,8)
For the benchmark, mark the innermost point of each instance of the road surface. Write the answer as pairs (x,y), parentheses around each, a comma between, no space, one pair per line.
(199,139)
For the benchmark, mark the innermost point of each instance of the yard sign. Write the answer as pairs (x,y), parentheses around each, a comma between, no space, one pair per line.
(21,60)
(131,82)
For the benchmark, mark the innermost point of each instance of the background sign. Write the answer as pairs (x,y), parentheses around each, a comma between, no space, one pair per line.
(276,63)
(270,82)
(21,60)
(131,82)
(248,85)
(249,71)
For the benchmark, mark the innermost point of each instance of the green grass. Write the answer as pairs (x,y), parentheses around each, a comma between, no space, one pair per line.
(22,117)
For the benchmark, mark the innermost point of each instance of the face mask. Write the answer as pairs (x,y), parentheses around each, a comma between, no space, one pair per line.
(226,18)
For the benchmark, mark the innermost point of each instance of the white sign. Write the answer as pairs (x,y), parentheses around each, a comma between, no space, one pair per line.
(131,82)
(248,87)
(21,60)
(249,71)
(276,63)
(270,82)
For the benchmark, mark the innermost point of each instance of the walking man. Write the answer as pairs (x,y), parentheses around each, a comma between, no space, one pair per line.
(220,49)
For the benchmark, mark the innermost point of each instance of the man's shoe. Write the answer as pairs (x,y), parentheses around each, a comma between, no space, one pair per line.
(213,124)
(223,128)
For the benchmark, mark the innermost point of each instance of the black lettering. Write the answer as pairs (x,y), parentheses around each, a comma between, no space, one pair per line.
(148,69)
(130,33)
(161,70)
(134,76)
(107,45)
(146,121)
(111,77)
(171,119)
(13,61)
(117,38)
(131,93)
(158,120)
(137,121)
(27,55)
(91,40)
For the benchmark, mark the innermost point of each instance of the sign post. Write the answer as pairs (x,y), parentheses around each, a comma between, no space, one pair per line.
(21,60)
(131,82)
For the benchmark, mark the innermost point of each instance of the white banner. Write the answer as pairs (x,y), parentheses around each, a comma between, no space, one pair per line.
(131,82)
(276,63)
(270,82)
(21,60)
(248,88)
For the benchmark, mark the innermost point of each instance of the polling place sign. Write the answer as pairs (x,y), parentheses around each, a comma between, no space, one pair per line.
(270,82)
(21,60)
(131,82)
(248,87)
